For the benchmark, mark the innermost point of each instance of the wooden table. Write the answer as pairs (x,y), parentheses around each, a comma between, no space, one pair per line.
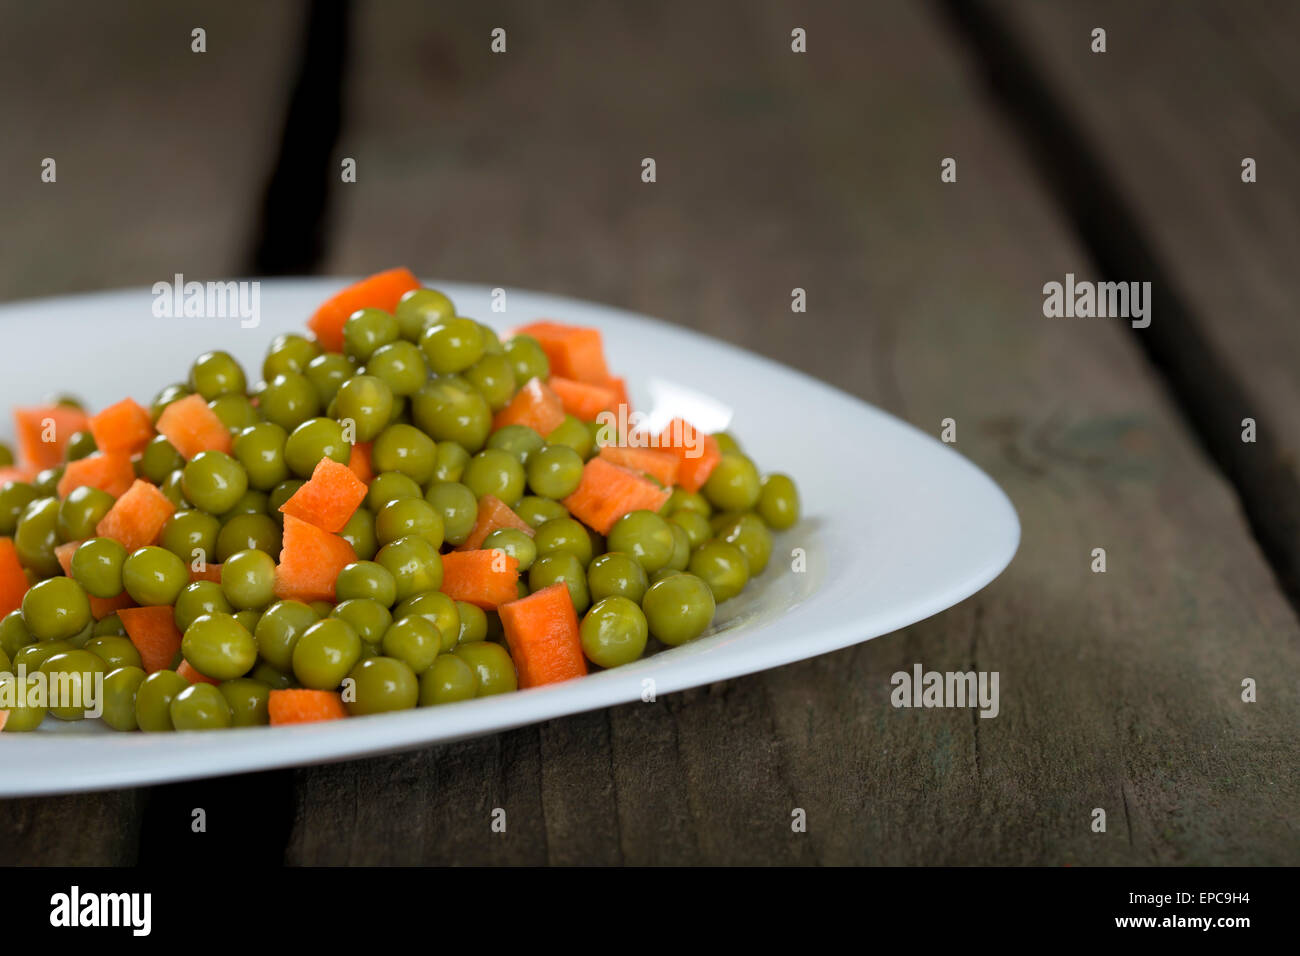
(775,170)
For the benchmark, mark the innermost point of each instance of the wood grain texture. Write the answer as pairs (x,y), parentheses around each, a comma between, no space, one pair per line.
(1182,95)
(161,159)
(1118,690)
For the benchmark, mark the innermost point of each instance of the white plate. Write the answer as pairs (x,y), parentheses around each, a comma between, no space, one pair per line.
(896,525)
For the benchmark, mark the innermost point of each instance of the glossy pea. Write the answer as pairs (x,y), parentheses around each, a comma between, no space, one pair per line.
(572,433)
(153,700)
(218,646)
(15,496)
(494,671)
(420,308)
(236,412)
(564,534)
(214,374)
(748,533)
(366,579)
(515,543)
(289,399)
(153,576)
(73,673)
(114,651)
(615,574)
(37,535)
(279,629)
(120,687)
(110,624)
(405,449)
(613,632)
(400,366)
(722,566)
(536,511)
(248,700)
(494,377)
(449,679)
(527,359)
(325,654)
(409,516)
(438,608)
(448,408)
(778,502)
(450,461)
(645,536)
(733,484)
(200,707)
(159,459)
(558,566)
(678,608)
(97,567)
(382,684)
(326,373)
(366,330)
(458,507)
(14,635)
(248,579)
(288,352)
(451,344)
(165,396)
(197,599)
(414,640)
(555,471)
(473,623)
(213,481)
(519,441)
(360,533)
(259,449)
(368,617)
(313,440)
(495,472)
(55,609)
(414,563)
(366,401)
(191,535)
(81,511)
(252,532)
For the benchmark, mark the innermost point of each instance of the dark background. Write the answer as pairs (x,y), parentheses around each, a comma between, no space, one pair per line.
(775,170)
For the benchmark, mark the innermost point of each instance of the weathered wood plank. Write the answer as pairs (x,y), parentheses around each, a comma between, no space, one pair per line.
(1183,94)
(776,170)
(161,157)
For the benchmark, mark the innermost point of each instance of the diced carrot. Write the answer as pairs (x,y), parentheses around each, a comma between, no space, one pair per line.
(310,561)
(4,718)
(619,387)
(108,471)
(300,706)
(696,452)
(485,578)
(192,427)
(101,608)
(153,632)
(493,513)
(64,552)
(572,351)
(137,517)
(43,432)
(191,674)
(379,291)
(124,427)
(542,632)
(582,399)
(13,579)
(607,492)
(210,572)
(328,498)
(359,461)
(659,465)
(534,405)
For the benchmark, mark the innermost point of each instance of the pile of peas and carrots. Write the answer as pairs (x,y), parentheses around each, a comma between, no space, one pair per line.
(403,511)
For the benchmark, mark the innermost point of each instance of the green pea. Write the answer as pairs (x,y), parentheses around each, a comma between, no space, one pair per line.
(572,433)
(494,671)
(28,697)
(289,399)
(494,377)
(380,685)
(389,486)
(420,308)
(646,537)
(55,609)
(678,608)
(278,631)
(81,511)
(733,484)
(236,412)
(159,459)
(555,471)
(153,700)
(778,502)
(457,506)
(473,623)
(80,444)
(322,608)
(616,574)
(414,640)
(326,373)
(406,449)
(31,657)
(120,687)
(527,358)
(722,566)
(519,441)
(70,676)
(37,536)
(681,500)
(251,502)
(495,472)
(280,494)
(97,567)
(259,449)
(400,365)
(288,352)
(197,599)
(213,481)
(218,646)
(727,443)
(248,701)
(450,461)
(248,579)
(515,543)
(258,532)
(190,535)
(695,525)
(409,516)
(367,401)
(6,455)
(169,394)
(366,579)
(249,617)
(15,496)
(748,533)
(46,482)
(214,374)
(450,409)
(414,563)
(613,632)
(447,680)
(564,534)
(272,678)
(114,651)
(109,625)
(452,344)
(325,654)
(366,330)
(154,576)
(201,707)
(438,608)
(313,440)
(682,549)
(368,617)
(14,635)
(558,566)
(173,492)
(360,533)
(537,511)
